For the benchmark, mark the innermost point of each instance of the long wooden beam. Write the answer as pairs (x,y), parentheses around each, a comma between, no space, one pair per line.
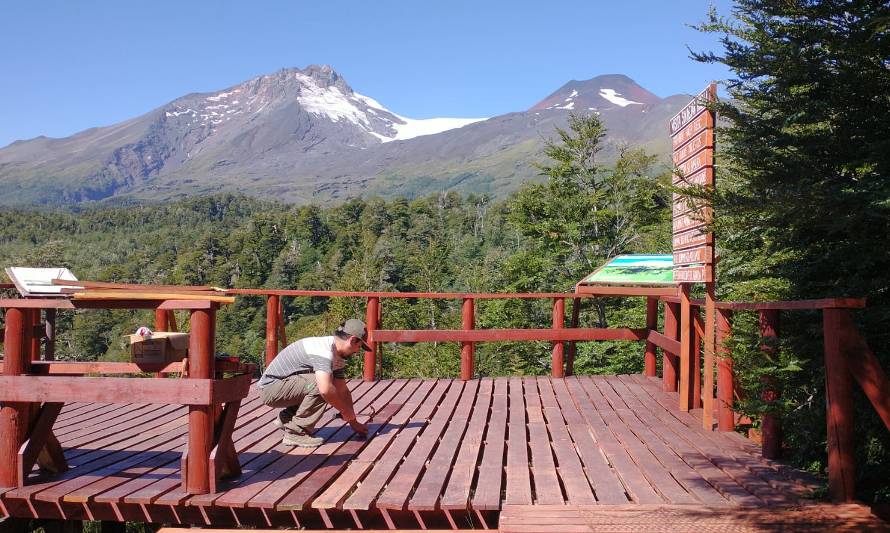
(784,305)
(65,303)
(123,390)
(72,368)
(504,335)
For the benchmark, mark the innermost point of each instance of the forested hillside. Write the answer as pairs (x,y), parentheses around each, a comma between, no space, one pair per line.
(544,238)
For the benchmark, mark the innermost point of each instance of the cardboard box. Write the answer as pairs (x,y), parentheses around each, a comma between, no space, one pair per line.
(160,347)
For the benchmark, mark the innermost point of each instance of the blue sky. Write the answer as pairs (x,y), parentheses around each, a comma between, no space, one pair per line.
(67,66)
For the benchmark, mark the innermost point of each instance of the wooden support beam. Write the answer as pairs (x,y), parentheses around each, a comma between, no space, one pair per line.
(839,409)
(573,323)
(40,445)
(709,354)
(501,335)
(371,314)
(557,367)
(687,351)
(770,423)
(201,417)
(13,415)
(282,335)
(271,328)
(697,336)
(650,364)
(725,377)
(223,457)
(670,361)
(468,348)
(49,353)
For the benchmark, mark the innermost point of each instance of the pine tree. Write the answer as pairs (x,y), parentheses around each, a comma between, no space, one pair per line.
(803,189)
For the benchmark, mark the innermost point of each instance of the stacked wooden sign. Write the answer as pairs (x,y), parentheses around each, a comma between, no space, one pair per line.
(692,138)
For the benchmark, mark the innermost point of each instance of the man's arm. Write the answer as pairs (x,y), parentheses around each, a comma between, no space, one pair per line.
(336,393)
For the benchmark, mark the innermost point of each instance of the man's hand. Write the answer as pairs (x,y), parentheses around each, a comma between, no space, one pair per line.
(358,427)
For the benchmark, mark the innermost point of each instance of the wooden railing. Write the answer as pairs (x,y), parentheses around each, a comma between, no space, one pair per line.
(689,365)
(468,335)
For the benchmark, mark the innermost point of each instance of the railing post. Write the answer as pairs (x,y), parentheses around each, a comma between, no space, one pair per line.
(13,415)
(687,337)
(33,330)
(573,323)
(271,328)
(651,324)
(697,327)
(839,410)
(725,377)
(670,361)
(161,320)
(771,424)
(50,348)
(558,360)
(371,315)
(282,335)
(201,417)
(467,349)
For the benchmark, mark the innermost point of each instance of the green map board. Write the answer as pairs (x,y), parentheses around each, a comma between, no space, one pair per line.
(635,270)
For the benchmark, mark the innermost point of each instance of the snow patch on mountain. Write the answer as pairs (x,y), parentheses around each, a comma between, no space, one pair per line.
(615,97)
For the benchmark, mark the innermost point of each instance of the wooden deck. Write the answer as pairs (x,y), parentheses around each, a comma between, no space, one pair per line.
(444,454)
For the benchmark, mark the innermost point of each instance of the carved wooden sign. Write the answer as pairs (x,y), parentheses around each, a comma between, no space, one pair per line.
(692,139)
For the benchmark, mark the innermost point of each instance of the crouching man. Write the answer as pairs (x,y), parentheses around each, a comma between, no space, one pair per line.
(306,376)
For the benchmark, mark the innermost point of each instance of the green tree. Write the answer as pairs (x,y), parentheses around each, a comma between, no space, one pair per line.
(803,203)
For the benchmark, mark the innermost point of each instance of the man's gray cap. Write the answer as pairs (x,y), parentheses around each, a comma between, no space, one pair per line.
(356,328)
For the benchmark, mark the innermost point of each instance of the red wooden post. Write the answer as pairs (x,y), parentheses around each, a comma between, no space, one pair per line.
(161,323)
(670,361)
(282,335)
(573,323)
(34,348)
(687,336)
(651,324)
(725,378)
(839,409)
(770,424)
(468,349)
(271,328)
(49,353)
(13,415)
(558,360)
(201,417)
(698,326)
(371,315)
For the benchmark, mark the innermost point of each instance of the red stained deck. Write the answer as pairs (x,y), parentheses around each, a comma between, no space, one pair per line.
(444,453)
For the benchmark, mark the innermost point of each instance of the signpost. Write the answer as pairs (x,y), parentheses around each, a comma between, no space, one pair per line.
(693,141)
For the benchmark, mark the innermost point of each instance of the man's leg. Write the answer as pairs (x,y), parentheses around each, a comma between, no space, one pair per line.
(309,411)
(288,394)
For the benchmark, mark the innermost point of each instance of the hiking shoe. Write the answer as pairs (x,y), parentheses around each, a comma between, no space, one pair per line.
(303,441)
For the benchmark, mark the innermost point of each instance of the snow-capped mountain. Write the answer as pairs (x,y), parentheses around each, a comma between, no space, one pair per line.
(305,135)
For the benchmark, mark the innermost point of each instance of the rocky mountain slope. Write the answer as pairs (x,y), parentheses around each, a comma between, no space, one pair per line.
(305,135)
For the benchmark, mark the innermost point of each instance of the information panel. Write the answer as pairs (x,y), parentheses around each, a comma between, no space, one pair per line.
(692,139)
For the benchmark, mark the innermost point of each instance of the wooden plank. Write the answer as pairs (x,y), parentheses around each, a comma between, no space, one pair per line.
(501,335)
(518,476)
(327,461)
(383,470)
(248,440)
(660,478)
(664,342)
(570,470)
(129,286)
(546,481)
(457,492)
(115,390)
(628,411)
(269,464)
(699,461)
(605,290)
(487,494)
(429,488)
(602,478)
(635,483)
(727,453)
(334,495)
(401,485)
(100,294)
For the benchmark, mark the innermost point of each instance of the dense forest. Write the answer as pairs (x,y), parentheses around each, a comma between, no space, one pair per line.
(541,239)
(802,210)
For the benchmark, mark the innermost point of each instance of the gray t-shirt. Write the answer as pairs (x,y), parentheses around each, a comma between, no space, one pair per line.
(305,356)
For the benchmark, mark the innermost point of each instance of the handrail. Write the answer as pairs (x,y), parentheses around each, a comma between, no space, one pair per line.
(785,305)
(602,291)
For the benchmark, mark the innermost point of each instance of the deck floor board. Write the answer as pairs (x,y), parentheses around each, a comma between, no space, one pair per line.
(436,446)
